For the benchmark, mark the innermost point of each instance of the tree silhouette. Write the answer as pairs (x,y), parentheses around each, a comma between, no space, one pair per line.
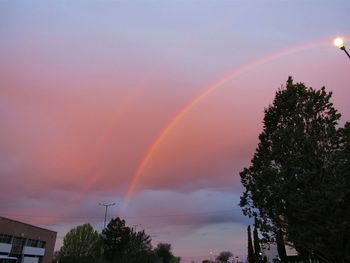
(116,239)
(224,256)
(140,246)
(80,244)
(295,178)
(257,250)
(123,244)
(251,255)
(163,252)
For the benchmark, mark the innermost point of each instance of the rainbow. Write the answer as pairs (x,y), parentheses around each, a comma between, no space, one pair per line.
(205,92)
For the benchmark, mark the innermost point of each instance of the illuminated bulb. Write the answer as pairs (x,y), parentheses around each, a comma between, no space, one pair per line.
(339,42)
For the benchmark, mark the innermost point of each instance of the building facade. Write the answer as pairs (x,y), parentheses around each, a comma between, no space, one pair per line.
(24,243)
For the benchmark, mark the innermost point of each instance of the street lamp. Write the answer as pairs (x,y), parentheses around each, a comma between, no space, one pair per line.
(106,205)
(339,42)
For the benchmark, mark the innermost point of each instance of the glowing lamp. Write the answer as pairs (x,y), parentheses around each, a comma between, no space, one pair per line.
(339,42)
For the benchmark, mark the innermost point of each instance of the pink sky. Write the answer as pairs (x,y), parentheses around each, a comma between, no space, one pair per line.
(88,87)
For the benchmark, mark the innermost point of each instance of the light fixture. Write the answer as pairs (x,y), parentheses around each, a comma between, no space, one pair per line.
(339,42)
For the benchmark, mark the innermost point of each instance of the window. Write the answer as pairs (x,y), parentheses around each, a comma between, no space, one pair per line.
(8,260)
(17,245)
(5,238)
(32,243)
(41,244)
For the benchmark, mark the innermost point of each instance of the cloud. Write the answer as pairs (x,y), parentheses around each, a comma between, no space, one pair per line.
(198,208)
(83,98)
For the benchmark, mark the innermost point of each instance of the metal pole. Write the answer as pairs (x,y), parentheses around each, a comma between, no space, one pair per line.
(104,225)
(106,206)
(346,52)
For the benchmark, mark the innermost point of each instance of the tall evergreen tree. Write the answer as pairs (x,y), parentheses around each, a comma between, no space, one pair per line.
(339,212)
(116,240)
(257,250)
(293,182)
(123,244)
(251,255)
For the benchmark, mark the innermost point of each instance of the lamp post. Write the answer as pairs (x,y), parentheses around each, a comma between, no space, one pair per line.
(339,42)
(106,205)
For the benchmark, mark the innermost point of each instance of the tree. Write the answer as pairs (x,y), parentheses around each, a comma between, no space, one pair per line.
(176,260)
(257,250)
(163,252)
(116,239)
(293,181)
(80,244)
(224,256)
(251,255)
(140,247)
(123,244)
(339,212)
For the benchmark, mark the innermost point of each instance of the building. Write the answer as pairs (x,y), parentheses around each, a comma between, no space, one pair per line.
(271,255)
(24,243)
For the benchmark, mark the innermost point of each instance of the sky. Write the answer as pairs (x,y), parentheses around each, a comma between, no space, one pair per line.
(154,105)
